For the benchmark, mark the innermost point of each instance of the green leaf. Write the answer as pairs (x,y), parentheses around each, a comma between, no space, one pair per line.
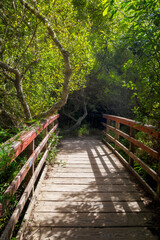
(105,11)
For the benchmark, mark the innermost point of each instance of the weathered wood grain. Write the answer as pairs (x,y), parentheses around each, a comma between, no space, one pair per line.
(92,196)
(124,233)
(88,165)
(107,207)
(88,170)
(86,175)
(86,188)
(90,219)
(93,181)
(89,196)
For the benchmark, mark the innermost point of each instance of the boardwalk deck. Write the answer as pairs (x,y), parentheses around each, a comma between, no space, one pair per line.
(88,196)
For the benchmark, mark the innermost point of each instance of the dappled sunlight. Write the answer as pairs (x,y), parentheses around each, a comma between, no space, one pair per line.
(91,197)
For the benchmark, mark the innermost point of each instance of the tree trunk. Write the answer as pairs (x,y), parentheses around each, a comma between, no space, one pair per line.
(79,121)
(68,71)
(18,85)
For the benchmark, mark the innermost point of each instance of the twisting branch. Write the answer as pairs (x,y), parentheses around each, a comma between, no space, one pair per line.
(9,69)
(79,121)
(28,67)
(10,118)
(8,77)
(69,116)
(19,89)
(65,54)
(31,40)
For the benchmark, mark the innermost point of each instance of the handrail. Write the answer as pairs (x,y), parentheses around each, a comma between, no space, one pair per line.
(19,143)
(136,125)
(131,150)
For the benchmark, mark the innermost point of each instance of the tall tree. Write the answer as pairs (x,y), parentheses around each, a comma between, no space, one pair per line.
(39,43)
(136,24)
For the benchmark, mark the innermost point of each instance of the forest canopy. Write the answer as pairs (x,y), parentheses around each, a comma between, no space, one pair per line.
(103,54)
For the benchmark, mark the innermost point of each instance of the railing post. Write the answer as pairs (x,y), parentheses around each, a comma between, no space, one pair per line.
(45,134)
(30,150)
(131,146)
(107,129)
(117,126)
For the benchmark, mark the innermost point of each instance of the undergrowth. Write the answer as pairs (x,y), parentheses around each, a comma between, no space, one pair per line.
(141,154)
(9,170)
(82,131)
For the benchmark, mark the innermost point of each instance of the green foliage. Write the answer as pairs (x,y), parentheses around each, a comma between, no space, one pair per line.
(136,25)
(26,46)
(54,150)
(4,156)
(83,130)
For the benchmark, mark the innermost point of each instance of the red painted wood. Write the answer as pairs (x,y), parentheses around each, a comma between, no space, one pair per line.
(144,128)
(27,137)
(16,214)
(149,170)
(22,173)
(131,123)
(19,145)
(147,149)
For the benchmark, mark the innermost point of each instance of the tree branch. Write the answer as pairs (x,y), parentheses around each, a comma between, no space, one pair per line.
(3,93)
(69,116)
(28,67)
(31,40)
(65,54)
(18,86)
(79,121)
(9,69)
(8,77)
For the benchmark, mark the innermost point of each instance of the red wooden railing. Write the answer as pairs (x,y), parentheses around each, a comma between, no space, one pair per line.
(113,124)
(26,141)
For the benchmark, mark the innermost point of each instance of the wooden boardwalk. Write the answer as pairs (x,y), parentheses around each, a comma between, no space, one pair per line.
(89,195)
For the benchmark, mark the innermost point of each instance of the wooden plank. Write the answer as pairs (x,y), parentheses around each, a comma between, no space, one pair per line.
(7,233)
(88,165)
(108,207)
(86,188)
(93,181)
(30,207)
(27,137)
(137,176)
(91,200)
(149,170)
(85,158)
(80,175)
(22,173)
(91,196)
(16,214)
(147,149)
(89,170)
(115,233)
(91,163)
(90,219)
(100,164)
(131,123)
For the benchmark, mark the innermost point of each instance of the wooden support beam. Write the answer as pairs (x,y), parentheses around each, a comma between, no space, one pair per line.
(26,140)
(117,125)
(134,142)
(131,123)
(131,146)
